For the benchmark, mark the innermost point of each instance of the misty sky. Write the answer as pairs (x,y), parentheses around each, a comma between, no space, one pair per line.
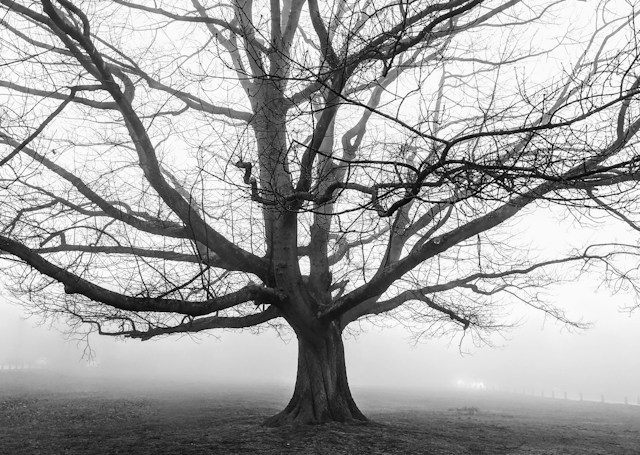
(539,355)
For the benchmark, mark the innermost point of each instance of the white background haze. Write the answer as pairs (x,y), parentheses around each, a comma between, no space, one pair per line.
(539,355)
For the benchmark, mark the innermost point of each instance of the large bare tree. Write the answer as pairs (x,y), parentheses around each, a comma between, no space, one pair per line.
(177,167)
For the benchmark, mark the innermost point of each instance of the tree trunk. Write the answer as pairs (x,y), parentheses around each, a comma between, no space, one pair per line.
(322,392)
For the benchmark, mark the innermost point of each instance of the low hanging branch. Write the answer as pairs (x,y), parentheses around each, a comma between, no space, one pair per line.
(204,323)
(74,284)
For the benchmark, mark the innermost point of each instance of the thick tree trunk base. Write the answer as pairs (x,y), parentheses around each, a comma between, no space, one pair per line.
(304,413)
(322,392)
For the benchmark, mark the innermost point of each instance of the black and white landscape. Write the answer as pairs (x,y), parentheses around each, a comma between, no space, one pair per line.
(292,226)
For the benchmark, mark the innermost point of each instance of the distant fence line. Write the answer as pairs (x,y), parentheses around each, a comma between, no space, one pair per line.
(42,363)
(628,399)
(16,363)
(19,366)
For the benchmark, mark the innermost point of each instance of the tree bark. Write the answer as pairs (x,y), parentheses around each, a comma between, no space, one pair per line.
(322,392)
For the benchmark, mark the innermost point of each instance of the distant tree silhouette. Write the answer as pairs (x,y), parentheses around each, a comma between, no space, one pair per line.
(176,167)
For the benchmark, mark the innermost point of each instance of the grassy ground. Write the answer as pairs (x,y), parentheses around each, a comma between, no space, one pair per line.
(43,413)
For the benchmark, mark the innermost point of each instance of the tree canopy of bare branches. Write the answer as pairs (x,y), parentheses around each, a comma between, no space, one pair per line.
(178,167)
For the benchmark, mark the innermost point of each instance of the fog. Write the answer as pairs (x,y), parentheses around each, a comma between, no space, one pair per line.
(539,357)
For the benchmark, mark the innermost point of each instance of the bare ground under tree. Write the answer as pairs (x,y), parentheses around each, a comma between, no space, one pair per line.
(97,416)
